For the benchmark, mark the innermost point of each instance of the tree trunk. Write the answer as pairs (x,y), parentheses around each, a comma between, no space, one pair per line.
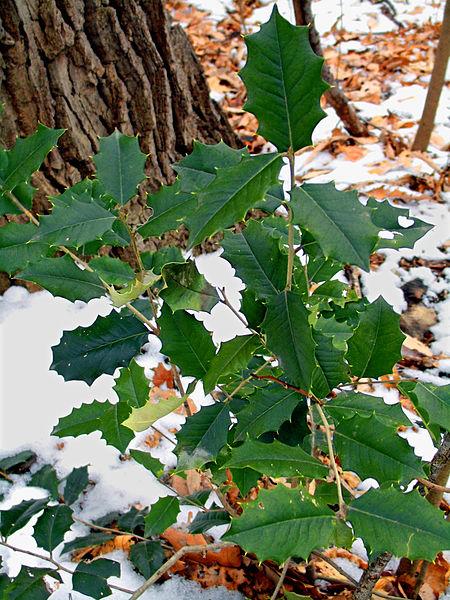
(93,65)
(335,96)
(426,124)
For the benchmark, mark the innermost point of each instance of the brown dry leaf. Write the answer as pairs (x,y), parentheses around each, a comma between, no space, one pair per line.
(414,344)
(342,553)
(226,557)
(352,153)
(436,579)
(152,440)
(212,576)
(120,542)
(163,375)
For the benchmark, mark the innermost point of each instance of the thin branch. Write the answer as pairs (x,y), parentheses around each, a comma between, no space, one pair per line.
(5,476)
(142,318)
(342,507)
(180,387)
(433,486)
(281,579)
(370,576)
(237,314)
(58,565)
(109,529)
(172,561)
(287,386)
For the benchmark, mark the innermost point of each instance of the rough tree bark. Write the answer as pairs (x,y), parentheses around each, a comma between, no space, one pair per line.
(335,96)
(426,124)
(93,65)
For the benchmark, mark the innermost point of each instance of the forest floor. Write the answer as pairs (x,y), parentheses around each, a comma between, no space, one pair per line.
(384,65)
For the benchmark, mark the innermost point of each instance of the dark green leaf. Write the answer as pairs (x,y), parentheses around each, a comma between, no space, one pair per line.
(98,416)
(267,409)
(232,193)
(146,460)
(186,342)
(29,584)
(112,270)
(348,404)
(61,277)
(155,261)
(376,345)
(256,256)
(245,479)
(90,578)
(132,520)
(289,336)
(47,479)
(120,165)
(292,523)
(13,462)
(187,289)
(202,437)
(203,521)
(404,524)
(27,156)
(373,449)
(16,249)
(276,460)
(17,516)
(86,353)
(52,526)
(431,401)
(86,541)
(74,224)
(147,557)
(332,370)
(76,482)
(340,224)
(162,515)
(231,357)
(284,84)
(132,386)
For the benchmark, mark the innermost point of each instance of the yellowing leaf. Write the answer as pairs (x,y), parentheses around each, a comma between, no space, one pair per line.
(141,418)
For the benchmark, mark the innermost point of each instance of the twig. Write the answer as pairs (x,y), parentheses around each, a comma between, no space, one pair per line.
(247,379)
(180,387)
(434,486)
(420,579)
(109,529)
(58,565)
(287,386)
(142,318)
(281,579)
(370,576)
(342,507)
(172,561)
(5,476)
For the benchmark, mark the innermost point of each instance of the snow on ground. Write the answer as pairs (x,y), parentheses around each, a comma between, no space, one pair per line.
(34,397)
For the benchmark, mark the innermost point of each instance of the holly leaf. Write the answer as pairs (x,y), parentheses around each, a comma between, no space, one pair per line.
(245,479)
(86,541)
(404,524)
(90,578)
(120,165)
(255,254)
(284,84)
(203,521)
(289,336)
(232,356)
(62,277)
(431,401)
(266,410)
(332,366)
(202,436)
(29,584)
(74,224)
(376,344)
(26,156)
(17,516)
(85,353)
(17,249)
(186,342)
(339,223)
(46,479)
(387,216)
(162,515)
(373,449)
(348,404)
(16,461)
(275,460)
(231,194)
(98,416)
(281,523)
(147,557)
(145,459)
(132,386)
(186,288)
(112,270)
(76,482)
(155,261)
(142,418)
(52,526)
(172,204)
